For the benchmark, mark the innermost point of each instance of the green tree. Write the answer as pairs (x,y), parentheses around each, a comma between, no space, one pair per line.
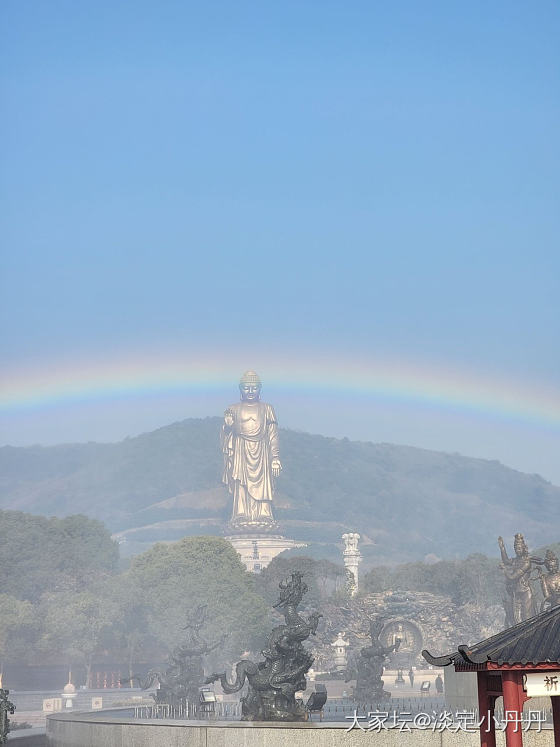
(38,555)
(130,635)
(17,629)
(174,579)
(475,579)
(479,580)
(76,627)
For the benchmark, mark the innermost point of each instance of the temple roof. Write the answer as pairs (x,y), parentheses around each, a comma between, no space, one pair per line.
(533,641)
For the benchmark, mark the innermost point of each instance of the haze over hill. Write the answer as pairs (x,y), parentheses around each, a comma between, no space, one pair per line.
(406,502)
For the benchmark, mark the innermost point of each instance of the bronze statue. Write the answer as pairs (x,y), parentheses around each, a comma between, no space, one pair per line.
(274,682)
(518,604)
(6,707)
(180,682)
(550,582)
(251,457)
(369,667)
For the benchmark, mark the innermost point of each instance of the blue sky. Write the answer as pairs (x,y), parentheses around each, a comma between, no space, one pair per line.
(354,177)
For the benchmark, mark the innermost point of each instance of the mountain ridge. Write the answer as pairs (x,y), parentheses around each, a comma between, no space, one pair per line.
(405,500)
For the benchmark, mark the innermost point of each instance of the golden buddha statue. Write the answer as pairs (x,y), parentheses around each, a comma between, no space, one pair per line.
(251,457)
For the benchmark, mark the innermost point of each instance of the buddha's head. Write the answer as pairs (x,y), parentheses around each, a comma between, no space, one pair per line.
(250,387)
(520,546)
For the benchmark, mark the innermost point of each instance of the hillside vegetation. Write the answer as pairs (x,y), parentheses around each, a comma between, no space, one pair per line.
(65,599)
(406,502)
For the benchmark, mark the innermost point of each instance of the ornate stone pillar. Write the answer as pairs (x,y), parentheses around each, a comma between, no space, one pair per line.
(352,559)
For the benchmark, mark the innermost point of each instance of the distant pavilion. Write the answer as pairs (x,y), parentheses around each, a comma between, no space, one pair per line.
(500,662)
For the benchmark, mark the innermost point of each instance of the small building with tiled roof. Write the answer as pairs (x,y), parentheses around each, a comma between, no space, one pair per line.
(502,663)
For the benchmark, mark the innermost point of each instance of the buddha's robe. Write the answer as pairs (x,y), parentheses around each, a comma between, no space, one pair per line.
(249,446)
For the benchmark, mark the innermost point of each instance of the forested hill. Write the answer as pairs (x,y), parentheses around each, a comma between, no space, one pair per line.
(406,502)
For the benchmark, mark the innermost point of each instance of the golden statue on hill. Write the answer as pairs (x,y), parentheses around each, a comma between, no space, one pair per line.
(249,440)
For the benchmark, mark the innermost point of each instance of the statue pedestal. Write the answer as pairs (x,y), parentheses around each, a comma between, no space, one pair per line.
(257,550)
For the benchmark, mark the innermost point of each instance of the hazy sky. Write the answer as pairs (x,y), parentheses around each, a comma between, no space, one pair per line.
(308,186)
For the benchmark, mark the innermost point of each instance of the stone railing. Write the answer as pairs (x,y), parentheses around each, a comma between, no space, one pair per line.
(110,728)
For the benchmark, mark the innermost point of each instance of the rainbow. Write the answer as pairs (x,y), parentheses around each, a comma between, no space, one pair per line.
(405,381)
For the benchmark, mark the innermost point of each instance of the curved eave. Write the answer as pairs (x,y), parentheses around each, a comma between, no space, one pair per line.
(472,657)
(438,661)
